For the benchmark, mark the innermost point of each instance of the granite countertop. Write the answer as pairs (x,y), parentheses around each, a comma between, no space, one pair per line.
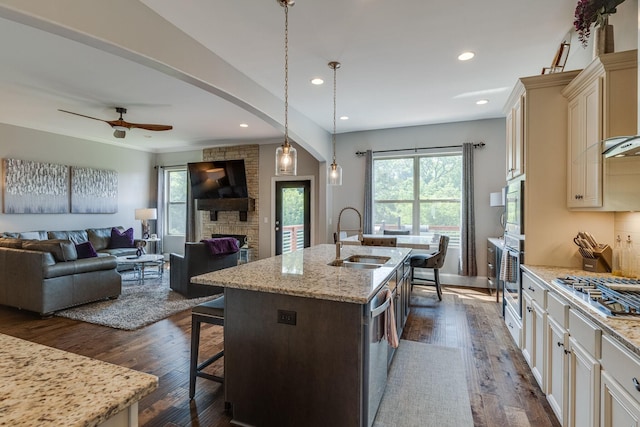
(41,385)
(625,330)
(306,273)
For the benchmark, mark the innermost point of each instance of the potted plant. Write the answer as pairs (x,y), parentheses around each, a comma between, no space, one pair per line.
(589,12)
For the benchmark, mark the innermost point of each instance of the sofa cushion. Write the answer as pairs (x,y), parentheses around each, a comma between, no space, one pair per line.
(85,250)
(10,242)
(33,235)
(76,236)
(62,250)
(87,265)
(100,237)
(120,239)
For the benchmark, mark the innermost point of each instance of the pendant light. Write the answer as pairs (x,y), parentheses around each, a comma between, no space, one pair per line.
(286,156)
(334,171)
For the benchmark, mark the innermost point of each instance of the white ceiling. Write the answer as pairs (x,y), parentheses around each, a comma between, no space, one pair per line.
(399,67)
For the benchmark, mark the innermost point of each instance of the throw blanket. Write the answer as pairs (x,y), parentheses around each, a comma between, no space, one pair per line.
(222,245)
(508,268)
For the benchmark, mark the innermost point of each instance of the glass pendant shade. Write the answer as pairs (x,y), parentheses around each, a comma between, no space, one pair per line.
(286,160)
(334,174)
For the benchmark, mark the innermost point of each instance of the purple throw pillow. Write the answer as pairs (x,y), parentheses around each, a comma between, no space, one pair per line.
(85,250)
(121,240)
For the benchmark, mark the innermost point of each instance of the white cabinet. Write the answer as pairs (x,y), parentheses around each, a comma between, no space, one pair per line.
(583,398)
(557,343)
(584,166)
(533,327)
(620,385)
(515,135)
(513,324)
(602,104)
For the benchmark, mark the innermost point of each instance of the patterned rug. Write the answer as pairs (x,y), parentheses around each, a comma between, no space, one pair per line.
(426,387)
(139,304)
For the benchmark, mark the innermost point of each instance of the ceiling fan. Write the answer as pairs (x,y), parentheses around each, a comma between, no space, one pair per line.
(122,126)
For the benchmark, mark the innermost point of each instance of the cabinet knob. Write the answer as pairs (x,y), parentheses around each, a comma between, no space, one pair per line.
(529,309)
(560,344)
(567,351)
(636,384)
(510,325)
(531,289)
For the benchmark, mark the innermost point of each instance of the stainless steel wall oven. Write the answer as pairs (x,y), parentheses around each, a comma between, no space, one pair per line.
(513,254)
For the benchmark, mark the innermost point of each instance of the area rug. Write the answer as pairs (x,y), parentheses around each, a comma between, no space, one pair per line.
(426,387)
(138,305)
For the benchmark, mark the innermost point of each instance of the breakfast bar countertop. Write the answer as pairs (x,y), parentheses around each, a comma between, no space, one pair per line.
(307,273)
(625,331)
(40,385)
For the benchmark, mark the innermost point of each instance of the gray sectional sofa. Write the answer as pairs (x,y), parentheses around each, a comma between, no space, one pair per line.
(40,270)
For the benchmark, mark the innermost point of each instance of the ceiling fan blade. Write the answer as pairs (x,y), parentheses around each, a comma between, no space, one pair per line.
(125,124)
(82,115)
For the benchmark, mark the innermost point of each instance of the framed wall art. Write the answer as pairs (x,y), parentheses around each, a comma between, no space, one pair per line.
(93,190)
(35,187)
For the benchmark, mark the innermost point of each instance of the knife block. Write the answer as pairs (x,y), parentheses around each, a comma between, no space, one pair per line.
(602,261)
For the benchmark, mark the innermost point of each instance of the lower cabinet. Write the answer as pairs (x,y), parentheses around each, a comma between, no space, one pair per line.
(533,345)
(584,387)
(620,386)
(557,363)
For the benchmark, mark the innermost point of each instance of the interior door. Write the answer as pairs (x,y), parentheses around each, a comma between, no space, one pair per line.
(293,216)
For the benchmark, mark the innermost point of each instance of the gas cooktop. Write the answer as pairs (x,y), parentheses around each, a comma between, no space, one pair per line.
(610,296)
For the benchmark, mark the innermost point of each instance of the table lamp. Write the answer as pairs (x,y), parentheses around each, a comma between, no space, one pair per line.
(145,215)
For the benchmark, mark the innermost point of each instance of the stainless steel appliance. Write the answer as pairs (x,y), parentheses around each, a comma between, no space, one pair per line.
(376,353)
(608,296)
(514,208)
(513,257)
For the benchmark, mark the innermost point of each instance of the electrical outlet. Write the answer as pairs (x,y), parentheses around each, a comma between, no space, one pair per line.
(287,317)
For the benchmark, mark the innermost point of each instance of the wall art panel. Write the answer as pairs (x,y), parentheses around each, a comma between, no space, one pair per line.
(94,190)
(34,187)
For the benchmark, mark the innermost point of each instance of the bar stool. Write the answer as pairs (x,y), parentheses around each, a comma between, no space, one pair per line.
(211,312)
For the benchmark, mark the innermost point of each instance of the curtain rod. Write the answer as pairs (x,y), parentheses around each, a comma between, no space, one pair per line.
(475,145)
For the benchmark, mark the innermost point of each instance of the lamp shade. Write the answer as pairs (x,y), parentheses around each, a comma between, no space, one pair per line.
(496,199)
(146,213)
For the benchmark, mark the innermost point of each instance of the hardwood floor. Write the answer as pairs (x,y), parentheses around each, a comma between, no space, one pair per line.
(501,388)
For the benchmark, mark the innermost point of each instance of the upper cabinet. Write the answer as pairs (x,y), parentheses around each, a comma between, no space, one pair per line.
(602,103)
(515,133)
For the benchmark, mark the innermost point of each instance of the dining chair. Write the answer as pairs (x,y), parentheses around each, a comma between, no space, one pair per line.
(379,241)
(433,261)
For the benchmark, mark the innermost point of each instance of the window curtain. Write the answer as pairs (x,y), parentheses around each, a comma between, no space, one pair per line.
(160,209)
(468,265)
(368,194)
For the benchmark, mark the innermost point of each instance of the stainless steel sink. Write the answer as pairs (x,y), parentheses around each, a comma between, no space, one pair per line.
(367,259)
(365,262)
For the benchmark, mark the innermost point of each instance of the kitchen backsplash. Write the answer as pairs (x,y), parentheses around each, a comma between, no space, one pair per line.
(627,224)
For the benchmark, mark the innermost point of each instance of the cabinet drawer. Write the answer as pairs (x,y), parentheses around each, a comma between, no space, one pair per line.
(586,333)
(514,325)
(621,364)
(535,290)
(558,309)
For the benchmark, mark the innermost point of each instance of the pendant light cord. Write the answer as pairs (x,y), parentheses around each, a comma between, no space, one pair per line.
(334,66)
(286,73)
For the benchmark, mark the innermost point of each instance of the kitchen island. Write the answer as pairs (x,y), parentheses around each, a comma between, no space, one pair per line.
(45,386)
(302,343)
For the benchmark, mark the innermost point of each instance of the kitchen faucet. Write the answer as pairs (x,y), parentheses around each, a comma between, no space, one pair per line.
(359,230)
(338,250)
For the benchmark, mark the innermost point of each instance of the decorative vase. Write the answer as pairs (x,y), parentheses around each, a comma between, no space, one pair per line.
(603,39)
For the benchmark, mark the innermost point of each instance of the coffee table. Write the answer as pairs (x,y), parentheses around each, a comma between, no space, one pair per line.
(139,263)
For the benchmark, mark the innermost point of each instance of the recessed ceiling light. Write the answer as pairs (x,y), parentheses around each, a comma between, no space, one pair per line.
(344,117)
(465,56)
(482,101)
(244,125)
(317,81)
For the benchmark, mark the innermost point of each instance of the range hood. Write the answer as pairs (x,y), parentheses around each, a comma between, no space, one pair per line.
(621,146)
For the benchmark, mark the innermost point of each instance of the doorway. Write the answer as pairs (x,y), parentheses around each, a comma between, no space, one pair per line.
(292,215)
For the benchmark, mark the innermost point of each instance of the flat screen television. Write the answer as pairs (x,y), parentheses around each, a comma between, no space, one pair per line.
(223,179)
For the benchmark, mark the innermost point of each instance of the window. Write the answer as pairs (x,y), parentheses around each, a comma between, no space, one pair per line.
(421,194)
(176,201)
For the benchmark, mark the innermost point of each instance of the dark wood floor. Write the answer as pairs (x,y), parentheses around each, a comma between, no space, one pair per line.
(501,387)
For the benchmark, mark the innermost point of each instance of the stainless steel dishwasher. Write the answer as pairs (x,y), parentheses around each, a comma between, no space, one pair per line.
(376,353)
